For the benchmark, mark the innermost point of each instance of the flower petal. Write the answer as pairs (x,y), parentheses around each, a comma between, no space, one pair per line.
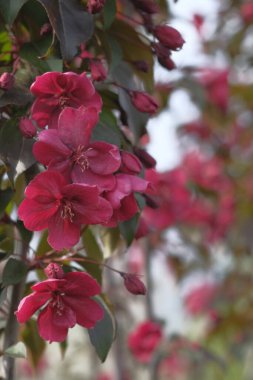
(50,285)
(88,311)
(81,284)
(62,233)
(103,182)
(81,121)
(34,215)
(48,330)
(46,186)
(30,304)
(103,158)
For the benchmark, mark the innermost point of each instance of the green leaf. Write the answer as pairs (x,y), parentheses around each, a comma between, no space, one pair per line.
(94,252)
(116,53)
(112,241)
(14,271)
(107,129)
(5,197)
(102,335)
(10,9)
(18,350)
(33,341)
(109,11)
(128,228)
(72,25)
(16,95)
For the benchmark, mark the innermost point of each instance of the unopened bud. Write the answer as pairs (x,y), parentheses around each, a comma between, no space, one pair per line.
(147,160)
(143,102)
(133,284)
(164,56)
(27,128)
(6,81)
(130,163)
(169,37)
(141,65)
(98,71)
(54,271)
(95,6)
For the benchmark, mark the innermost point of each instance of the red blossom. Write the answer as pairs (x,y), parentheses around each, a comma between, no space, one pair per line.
(143,102)
(169,37)
(122,197)
(133,284)
(199,299)
(144,340)
(69,150)
(55,91)
(247,12)
(51,202)
(63,302)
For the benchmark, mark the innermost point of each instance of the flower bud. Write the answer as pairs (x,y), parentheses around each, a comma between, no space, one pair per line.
(95,6)
(130,163)
(54,271)
(163,56)
(98,71)
(27,128)
(133,284)
(143,102)
(147,160)
(169,37)
(6,81)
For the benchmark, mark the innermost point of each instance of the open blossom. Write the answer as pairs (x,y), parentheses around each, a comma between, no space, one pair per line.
(55,91)
(69,151)
(63,303)
(144,340)
(122,199)
(51,202)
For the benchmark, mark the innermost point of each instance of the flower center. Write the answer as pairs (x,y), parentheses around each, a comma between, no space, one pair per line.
(63,101)
(67,210)
(80,158)
(57,303)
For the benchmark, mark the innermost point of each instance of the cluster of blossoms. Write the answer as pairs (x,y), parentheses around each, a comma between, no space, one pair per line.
(180,195)
(86,181)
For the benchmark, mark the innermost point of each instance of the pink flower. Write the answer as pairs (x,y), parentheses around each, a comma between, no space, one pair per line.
(122,197)
(65,302)
(200,298)
(27,128)
(69,151)
(144,340)
(143,102)
(169,37)
(133,284)
(54,91)
(247,12)
(62,208)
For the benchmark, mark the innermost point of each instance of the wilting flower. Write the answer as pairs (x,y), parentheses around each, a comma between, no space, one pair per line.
(55,91)
(6,81)
(144,340)
(51,202)
(133,283)
(69,151)
(63,303)
(143,102)
(122,199)
(169,37)
(27,128)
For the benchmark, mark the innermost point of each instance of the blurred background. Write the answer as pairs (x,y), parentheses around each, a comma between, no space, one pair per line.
(194,249)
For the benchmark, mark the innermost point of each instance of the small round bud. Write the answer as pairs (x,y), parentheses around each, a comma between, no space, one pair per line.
(169,37)
(143,102)
(6,81)
(54,271)
(95,6)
